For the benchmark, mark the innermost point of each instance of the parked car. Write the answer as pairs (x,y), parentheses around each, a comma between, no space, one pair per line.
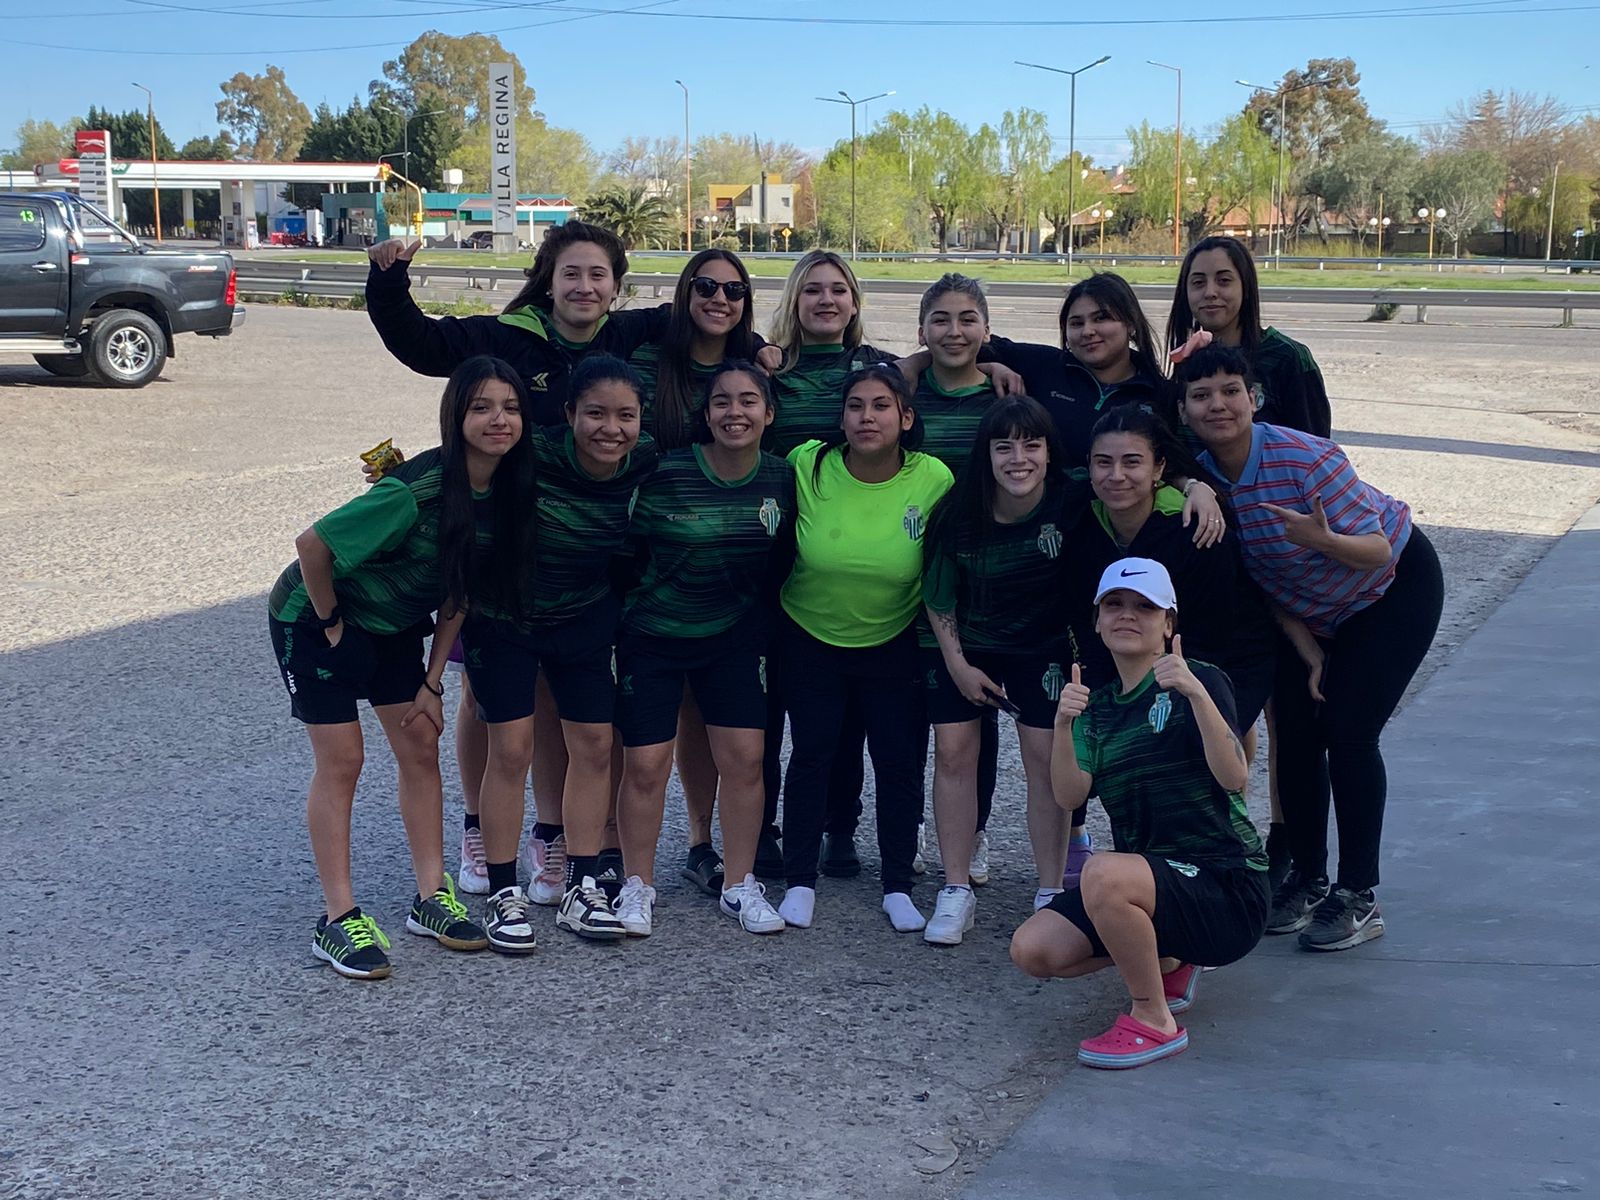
(86,298)
(481,239)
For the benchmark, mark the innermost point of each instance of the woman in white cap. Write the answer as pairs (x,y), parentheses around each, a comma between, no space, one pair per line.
(1186,884)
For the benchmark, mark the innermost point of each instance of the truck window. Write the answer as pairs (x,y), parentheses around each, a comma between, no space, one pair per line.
(21,226)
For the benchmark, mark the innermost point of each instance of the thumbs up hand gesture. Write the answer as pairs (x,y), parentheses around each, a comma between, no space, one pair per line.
(1074,698)
(1172,671)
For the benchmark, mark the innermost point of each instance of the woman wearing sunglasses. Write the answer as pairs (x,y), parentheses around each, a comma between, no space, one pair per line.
(710,323)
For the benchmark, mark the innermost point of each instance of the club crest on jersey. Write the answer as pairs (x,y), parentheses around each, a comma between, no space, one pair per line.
(539,382)
(1053,682)
(1049,540)
(1160,712)
(770,515)
(913,522)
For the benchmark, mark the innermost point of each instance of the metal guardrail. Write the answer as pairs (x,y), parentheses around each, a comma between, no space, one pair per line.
(259,277)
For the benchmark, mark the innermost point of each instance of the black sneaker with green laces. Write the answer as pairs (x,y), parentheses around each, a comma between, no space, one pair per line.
(353,945)
(444,918)
(1343,920)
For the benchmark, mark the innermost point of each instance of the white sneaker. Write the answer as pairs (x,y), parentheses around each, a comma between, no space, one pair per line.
(748,902)
(1043,897)
(953,916)
(473,877)
(919,861)
(586,912)
(546,864)
(978,872)
(508,922)
(636,907)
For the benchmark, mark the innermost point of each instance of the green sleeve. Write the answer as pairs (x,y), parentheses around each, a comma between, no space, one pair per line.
(1084,745)
(939,582)
(1169,500)
(374,522)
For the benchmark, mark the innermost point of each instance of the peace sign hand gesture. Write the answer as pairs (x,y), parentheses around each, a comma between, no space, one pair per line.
(1173,673)
(1074,699)
(1305,529)
(386,253)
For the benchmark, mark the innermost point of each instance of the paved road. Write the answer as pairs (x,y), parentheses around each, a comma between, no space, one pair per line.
(170,1034)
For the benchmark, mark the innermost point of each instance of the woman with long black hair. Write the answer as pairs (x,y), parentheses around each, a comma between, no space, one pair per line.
(348,619)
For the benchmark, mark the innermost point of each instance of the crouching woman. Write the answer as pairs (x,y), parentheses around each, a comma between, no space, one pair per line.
(1187,884)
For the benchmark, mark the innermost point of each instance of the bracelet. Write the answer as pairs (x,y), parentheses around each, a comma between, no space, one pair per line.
(437,691)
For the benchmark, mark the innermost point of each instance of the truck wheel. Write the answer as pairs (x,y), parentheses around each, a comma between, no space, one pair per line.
(68,366)
(126,348)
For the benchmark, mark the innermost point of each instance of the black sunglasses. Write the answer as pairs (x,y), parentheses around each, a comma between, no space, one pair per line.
(706,287)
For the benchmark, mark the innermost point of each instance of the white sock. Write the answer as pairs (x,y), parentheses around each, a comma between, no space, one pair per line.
(798,905)
(903,914)
(1044,895)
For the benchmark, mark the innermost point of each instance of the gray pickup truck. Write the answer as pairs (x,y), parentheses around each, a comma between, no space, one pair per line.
(86,298)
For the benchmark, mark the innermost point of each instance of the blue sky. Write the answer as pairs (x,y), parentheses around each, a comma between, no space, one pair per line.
(610,75)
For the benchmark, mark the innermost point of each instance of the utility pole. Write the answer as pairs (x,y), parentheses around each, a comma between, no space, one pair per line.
(852,103)
(688,187)
(1072,138)
(155,181)
(1177,159)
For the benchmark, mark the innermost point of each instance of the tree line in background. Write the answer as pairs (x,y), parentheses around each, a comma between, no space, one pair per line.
(926,180)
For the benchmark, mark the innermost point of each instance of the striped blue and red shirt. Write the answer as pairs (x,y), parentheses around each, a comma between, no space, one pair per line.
(1287,468)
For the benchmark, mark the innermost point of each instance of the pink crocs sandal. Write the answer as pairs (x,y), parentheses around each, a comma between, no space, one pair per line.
(1179,986)
(1130,1043)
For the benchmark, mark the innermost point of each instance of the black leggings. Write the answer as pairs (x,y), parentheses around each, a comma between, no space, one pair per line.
(1370,661)
(820,682)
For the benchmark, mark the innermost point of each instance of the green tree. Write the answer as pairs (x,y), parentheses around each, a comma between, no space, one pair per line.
(130,132)
(39,142)
(890,212)
(217,148)
(1091,186)
(942,162)
(264,114)
(1152,161)
(1235,173)
(1323,110)
(550,160)
(640,219)
(1465,183)
(1534,220)
(1025,135)
(439,70)
(1351,181)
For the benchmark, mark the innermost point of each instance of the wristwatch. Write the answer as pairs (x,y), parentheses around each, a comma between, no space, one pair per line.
(329,621)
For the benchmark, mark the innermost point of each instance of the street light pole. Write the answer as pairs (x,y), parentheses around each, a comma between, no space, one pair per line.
(155,181)
(688,186)
(1283,136)
(1549,229)
(1177,158)
(1072,136)
(852,103)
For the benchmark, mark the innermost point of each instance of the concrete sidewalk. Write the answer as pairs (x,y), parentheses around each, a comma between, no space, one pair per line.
(1447,1059)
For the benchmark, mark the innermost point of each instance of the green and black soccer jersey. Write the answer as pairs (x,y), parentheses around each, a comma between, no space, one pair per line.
(1147,759)
(387,565)
(810,394)
(647,361)
(1292,390)
(950,419)
(580,524)
(711,551)
(1005,582)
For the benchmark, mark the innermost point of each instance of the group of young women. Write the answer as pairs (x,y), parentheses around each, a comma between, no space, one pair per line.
(655,539)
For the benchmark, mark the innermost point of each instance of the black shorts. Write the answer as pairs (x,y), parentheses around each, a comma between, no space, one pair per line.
(1033,682)
(1208,916)
(577,657)
(325,681)
(1252,687)
(727,674)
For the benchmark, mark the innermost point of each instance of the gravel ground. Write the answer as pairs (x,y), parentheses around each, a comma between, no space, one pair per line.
(174,1037)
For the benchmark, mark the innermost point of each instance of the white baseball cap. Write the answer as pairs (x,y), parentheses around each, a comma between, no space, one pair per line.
(1142,575)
